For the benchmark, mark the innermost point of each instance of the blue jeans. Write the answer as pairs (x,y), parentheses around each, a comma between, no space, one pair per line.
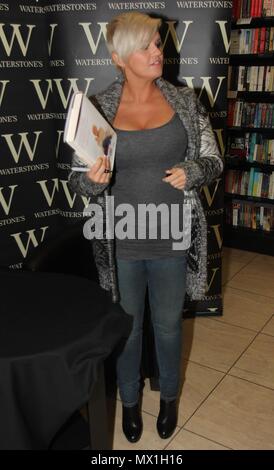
(166,279)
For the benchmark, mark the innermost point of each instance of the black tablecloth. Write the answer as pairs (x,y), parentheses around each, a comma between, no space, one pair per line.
(54,332)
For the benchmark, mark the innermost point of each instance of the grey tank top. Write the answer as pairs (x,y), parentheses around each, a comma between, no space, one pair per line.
(142,156)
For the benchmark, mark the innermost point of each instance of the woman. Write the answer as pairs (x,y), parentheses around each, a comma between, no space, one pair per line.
(165,152)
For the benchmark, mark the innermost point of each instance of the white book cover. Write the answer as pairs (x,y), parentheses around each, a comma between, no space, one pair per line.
(251,83)
(235,212)
(272,151)
(243,41)
(235,41)
(271,84)
(88,132)
(260,79)
(254,77)
(271,186)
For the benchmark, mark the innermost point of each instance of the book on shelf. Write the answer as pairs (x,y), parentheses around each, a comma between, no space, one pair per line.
(236,147)
(249,176)
(246,114)
(259,149)
(88,132)
(268,8)
(235,213)
(250,79)
(247,9)
(254,183)
(251,181)
(252,40)
(250,215)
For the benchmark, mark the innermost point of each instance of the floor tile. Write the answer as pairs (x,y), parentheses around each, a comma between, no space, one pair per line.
(257,364)
(214,344)
(264,260)
(240,255)
(269,328)
(238,414)
(230,268)
(186,440)
(149,440)
(256,277)
(233,261)
(198,382)
(245,309)
(216,411)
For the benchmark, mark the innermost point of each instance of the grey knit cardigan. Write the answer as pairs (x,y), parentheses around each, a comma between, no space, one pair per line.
(202,165)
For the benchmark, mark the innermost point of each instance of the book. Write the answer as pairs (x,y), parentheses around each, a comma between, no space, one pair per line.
(88,132)
(236,147)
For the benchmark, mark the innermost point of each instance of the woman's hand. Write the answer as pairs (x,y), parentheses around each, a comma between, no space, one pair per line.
(176,177)
(100,171)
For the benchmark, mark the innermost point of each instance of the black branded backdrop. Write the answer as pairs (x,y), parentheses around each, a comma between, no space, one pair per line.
(50,49)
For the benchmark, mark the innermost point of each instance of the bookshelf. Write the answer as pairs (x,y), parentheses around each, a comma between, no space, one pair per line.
(249,156)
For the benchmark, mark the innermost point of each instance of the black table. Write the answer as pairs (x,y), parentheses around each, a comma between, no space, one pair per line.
(55,333)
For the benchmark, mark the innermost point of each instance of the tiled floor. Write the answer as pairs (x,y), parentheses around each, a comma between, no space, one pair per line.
(227,399)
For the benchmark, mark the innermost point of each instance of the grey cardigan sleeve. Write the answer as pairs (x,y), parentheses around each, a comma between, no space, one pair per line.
(80,183)
(209,164)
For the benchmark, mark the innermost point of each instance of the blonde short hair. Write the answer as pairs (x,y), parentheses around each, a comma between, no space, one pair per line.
(129,32)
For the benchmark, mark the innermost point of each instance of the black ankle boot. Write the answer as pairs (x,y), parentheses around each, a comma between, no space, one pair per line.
(132,423)
(167,418)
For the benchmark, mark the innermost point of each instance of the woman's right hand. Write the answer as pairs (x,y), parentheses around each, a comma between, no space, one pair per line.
(100,171)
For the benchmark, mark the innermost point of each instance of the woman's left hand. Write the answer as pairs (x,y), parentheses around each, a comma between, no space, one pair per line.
(176,177)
